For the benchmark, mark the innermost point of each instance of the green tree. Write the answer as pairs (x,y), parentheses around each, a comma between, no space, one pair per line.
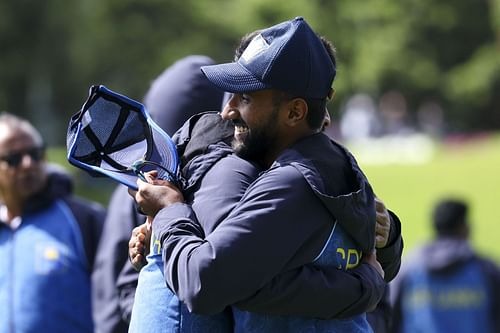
(53,50)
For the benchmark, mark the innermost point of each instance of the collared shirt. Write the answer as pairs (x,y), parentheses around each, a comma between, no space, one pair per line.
(4,218)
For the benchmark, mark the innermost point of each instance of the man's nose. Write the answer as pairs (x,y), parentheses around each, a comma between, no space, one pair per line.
(230,111)
(27,161)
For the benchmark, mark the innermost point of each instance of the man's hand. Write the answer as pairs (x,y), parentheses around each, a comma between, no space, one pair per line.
(383,225)
(138,245)
(155,194)
(371,259)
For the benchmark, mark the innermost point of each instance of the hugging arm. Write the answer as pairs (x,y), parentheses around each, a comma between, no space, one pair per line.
(315,292)
(244,248)
(323,293)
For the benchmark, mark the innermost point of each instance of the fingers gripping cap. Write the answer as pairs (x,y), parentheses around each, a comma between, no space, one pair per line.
(113,135)
(288,56)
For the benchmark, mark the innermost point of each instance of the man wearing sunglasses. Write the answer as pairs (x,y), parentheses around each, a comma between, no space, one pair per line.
(48,239)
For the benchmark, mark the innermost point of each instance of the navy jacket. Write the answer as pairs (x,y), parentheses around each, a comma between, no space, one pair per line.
(299,198)
(215,178)
(177,93)
(305,284)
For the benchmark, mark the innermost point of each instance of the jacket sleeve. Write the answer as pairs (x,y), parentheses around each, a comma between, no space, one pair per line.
(112,256)
(380,318)
(390,255)
(268,232)
(397,288)
(397,312)
(90,217)
(126,283)
(312,292)
(492,273)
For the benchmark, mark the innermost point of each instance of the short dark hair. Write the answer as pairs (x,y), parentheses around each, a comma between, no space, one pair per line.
(450,216)
(332,52)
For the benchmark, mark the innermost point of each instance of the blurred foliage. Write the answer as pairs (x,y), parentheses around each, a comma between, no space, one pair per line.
(53,50)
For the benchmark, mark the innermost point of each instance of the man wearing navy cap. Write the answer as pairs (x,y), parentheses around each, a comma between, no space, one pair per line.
(312,204)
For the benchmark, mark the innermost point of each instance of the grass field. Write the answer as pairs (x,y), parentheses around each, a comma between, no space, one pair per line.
(467,168)
(410,184)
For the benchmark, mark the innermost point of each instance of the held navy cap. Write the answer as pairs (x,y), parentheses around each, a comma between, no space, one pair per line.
(113,135)
(288,56)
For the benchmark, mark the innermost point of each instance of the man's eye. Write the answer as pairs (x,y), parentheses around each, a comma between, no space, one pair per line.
(245,98)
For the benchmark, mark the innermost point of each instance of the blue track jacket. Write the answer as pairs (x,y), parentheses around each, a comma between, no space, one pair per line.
(445,287)
(45,286)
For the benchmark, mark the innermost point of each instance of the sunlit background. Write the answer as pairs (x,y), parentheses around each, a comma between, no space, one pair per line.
(417,89)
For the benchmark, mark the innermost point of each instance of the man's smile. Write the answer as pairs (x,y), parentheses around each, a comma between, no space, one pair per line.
(240,131)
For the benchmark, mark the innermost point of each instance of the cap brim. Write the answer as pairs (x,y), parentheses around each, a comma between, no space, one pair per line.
(233,77)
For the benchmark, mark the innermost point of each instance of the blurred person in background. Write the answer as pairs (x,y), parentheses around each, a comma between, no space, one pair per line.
(359,120)
(176,94)
(445,286)
(48,238)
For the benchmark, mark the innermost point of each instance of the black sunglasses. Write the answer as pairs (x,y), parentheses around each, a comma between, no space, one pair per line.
(14,159)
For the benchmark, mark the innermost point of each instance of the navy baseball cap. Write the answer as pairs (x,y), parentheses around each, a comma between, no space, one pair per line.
(289,56)
(114,136)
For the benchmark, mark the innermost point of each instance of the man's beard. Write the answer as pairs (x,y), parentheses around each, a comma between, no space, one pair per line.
(255,146)
(258,142)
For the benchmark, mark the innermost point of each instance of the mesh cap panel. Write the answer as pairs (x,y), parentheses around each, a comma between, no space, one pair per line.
(112,134)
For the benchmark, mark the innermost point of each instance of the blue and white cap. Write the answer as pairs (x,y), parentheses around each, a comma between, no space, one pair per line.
(113,135)
(289,56)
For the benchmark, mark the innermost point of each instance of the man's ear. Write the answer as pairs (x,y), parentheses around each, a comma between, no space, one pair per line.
(297,111)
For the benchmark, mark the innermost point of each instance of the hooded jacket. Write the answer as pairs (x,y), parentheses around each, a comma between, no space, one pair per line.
(177,93)
(313,205)
(445,286)
(49,259)
(206,159)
